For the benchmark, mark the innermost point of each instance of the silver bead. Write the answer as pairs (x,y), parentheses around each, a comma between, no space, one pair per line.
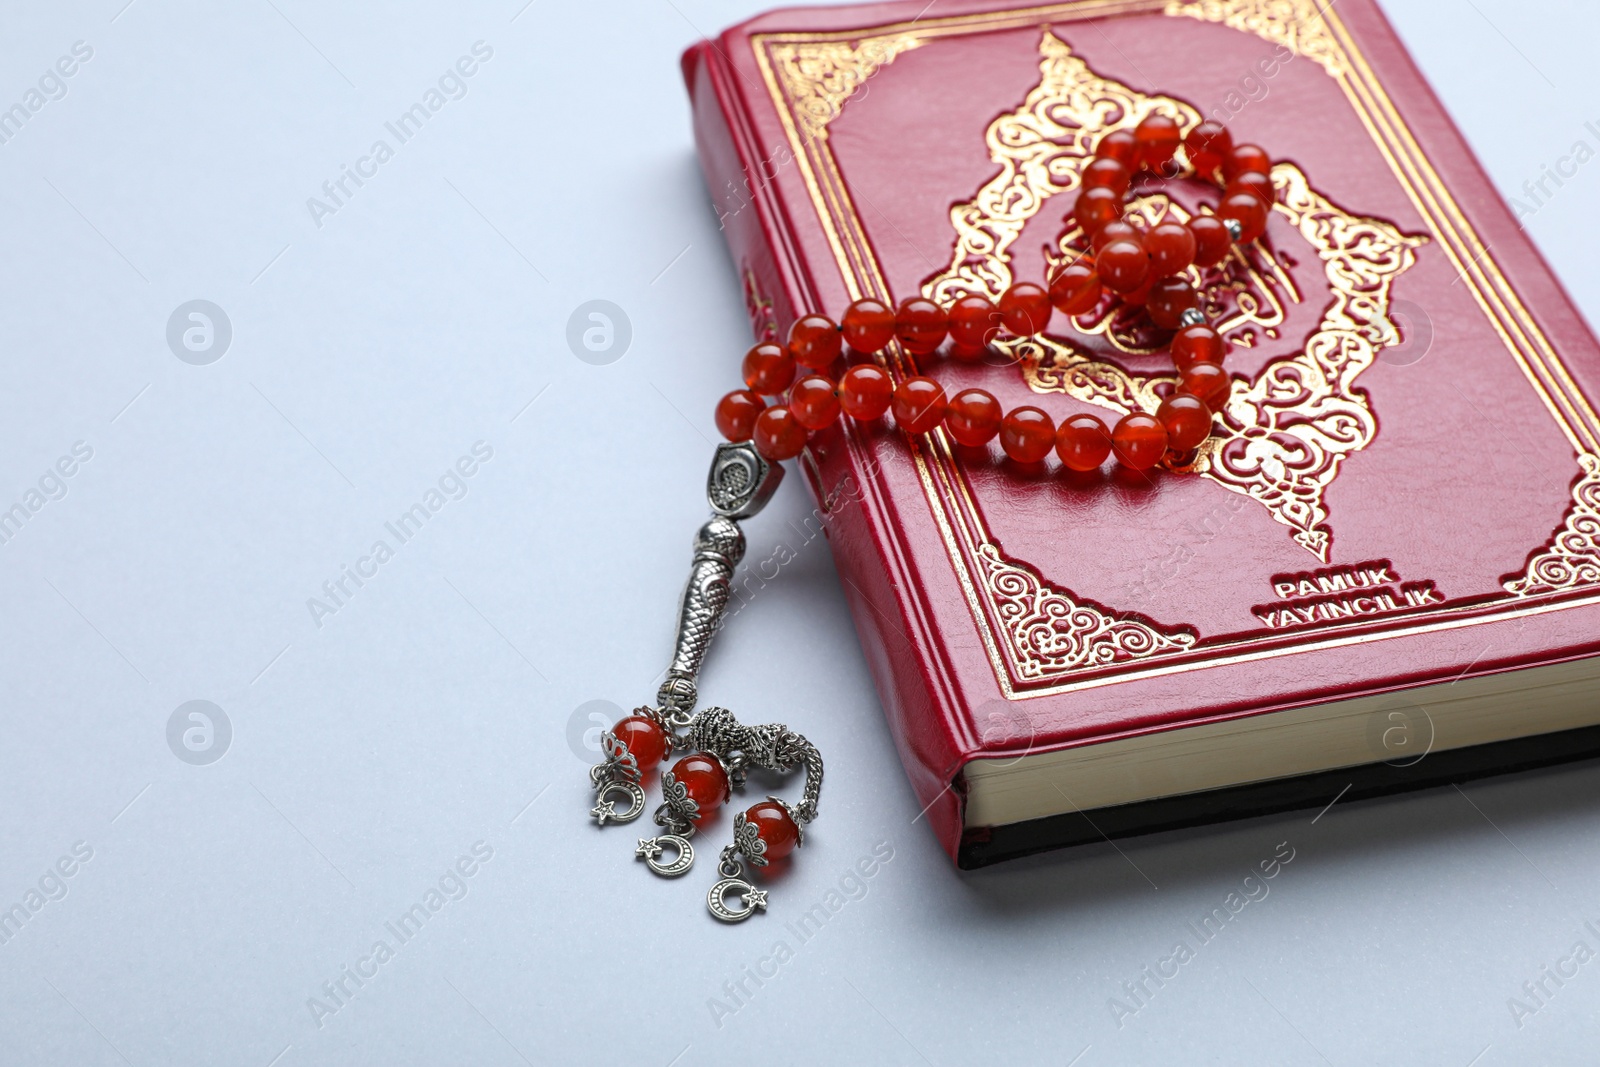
(1193,317)
(741,480)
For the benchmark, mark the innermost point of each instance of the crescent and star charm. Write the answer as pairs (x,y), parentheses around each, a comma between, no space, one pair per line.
(606,809)
(754,900)
(650,849)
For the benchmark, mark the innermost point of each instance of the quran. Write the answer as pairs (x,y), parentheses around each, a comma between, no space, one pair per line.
(1381,571)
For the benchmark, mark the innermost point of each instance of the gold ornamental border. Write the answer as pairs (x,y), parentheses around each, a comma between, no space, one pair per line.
(809,77)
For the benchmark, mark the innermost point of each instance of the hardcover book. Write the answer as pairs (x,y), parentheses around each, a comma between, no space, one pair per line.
(1382,571)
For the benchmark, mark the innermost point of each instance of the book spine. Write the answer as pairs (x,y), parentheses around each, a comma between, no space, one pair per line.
(841,479)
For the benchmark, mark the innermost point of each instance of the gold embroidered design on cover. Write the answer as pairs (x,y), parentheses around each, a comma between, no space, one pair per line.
(1573,557)
(1284,434)
(1298,25)
(821,75)
(1051,633)
(1040,147)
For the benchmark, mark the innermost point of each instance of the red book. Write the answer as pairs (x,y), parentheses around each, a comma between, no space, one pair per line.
(1383,569)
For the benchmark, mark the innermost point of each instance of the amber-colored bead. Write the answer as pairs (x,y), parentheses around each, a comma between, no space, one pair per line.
(920,324)
(705,780)
(768,368)
(815,341)
(1025,309)
(1187,421)
(974,322)
(1122,266)
(1158,137)
(1083,442)
(1248,211)
(1139,440)
(1120,146)
(1207,145)
(644,737)
(1171,248)
(1209,382)
(867,325)
(973,417)
(865,392)
(778,435)
(776,828)
(1076,288)
(1197,344)
(814,401)
(1095,208)
(1243,158)
(1212,242)
(919,405)
(1107,174)
(736,414)
(1169,299)
(1251,182)
(1027,434)
(1116,230)
(1135,298)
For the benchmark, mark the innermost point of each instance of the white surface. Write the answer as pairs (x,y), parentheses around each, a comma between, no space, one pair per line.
(438,702)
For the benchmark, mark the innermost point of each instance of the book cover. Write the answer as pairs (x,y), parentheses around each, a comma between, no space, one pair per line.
(1403,490)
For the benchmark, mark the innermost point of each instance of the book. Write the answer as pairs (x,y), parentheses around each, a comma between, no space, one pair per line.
(1383,569)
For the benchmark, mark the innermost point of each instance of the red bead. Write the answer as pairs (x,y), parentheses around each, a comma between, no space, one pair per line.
(705,780)
(1171,248)
(778,434)
(1212,242)
(815,341)
(973,417)
(1139,440)
(1209,382)
(1169,299)
(768,368)
(775,827)
(1250,213)
(1116,230)
(1107,174)
(1025,309)
(736,414)
(1076,289)
(920,324)
(643,737)
(865,392)
(814,402)
(1251,182)
(1027,434)
(974,322)
(1187,421)
(868,325)
(1244,158)
(1135,298)
(1119,145)
(1207,145)
(1158,137)
(919,405)
(1095,208)
(1083,442)
(1197,344)
(1122,266)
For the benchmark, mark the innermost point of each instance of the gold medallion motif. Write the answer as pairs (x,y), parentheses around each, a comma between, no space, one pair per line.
(1284,434)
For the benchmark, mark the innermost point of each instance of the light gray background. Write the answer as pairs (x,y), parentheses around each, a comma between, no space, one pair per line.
(440,706)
